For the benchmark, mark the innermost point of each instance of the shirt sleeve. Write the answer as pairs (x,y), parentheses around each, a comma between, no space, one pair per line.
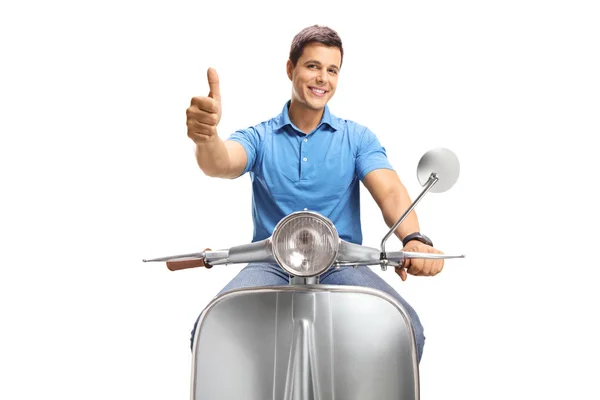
(250,139)
(371,155)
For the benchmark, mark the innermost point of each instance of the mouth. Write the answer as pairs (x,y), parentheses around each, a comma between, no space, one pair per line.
(317,92)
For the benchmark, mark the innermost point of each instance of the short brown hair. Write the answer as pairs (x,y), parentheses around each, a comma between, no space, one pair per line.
(315,33)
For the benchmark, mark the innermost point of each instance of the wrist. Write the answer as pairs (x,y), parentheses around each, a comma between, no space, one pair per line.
(206,141)
(417,236)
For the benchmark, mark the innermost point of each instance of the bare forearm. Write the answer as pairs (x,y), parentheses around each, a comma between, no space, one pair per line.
(392,208)
(393,200)
(213,158)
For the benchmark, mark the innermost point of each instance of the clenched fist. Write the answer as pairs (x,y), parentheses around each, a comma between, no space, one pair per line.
(420,266)
(204,114)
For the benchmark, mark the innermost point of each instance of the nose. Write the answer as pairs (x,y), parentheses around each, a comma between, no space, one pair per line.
(322,77)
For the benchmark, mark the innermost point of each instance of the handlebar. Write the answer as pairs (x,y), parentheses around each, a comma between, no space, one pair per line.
(350,255)
(186,261)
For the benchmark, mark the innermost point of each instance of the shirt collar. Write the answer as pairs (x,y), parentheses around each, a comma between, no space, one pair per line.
(284,118)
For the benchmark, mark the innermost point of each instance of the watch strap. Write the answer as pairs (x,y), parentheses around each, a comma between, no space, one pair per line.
(417,236)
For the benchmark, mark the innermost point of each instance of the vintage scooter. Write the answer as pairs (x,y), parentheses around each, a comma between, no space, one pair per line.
(308,341)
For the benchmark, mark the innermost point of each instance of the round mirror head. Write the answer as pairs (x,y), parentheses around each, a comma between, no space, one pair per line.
(442,162)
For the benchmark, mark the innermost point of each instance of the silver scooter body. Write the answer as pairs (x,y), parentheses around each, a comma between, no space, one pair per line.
(305,342)
(308,341)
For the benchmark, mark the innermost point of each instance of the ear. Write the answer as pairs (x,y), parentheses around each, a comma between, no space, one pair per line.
(289,67)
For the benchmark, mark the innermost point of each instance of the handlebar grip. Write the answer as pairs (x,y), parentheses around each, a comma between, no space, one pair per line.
(190,263)
(185,264)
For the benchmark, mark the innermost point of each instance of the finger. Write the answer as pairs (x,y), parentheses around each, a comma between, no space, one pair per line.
(213,83)
(429,267)
(416,266)
(194,114)
(402,273)
(198,130)
(438,267)
(199,127)
(207,104)
(435,266)
(409,266)
(432,267)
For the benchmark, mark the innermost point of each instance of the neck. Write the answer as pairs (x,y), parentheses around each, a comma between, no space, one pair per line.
(304,118)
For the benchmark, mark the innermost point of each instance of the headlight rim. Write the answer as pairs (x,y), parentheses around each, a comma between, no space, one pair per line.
(294,215)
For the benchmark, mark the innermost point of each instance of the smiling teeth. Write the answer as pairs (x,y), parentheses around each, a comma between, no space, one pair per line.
(318,91)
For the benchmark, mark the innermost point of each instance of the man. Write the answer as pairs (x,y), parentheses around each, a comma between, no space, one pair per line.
(308,159)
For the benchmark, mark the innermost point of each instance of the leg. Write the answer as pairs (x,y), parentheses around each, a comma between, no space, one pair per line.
(254,274)
(258,274)
(364,276)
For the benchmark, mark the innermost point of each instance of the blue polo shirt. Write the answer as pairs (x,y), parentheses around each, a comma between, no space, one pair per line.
(292,171)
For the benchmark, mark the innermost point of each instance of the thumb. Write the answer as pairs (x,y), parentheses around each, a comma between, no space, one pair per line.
(406,264)
(213,83)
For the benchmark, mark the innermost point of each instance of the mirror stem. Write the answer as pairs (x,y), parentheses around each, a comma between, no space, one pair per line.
(433,178)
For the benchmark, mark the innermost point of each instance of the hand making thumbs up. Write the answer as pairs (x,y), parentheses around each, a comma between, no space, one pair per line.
(204,113)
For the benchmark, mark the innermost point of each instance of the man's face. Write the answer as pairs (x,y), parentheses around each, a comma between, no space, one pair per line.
(314,78)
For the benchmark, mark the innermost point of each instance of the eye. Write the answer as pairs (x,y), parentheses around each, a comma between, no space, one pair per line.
(313,66)
(333,71)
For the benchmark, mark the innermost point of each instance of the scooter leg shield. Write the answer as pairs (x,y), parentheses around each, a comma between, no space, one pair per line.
(301,343)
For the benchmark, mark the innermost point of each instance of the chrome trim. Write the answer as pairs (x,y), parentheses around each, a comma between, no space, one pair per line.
(355,254)
(400,256)
(178,257)
(252,252)
(260,251)
(285,220)
(214,257)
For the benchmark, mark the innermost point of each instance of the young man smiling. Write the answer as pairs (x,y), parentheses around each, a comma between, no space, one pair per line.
(308,159)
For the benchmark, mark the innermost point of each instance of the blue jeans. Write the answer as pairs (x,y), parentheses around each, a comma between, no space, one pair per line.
(259,274)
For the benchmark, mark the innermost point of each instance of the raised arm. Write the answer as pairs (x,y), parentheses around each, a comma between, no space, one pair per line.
(215,157)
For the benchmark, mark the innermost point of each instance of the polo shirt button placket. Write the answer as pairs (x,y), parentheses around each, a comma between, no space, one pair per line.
(304,159)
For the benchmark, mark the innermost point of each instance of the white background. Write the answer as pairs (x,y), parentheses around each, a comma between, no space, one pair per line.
(97,173)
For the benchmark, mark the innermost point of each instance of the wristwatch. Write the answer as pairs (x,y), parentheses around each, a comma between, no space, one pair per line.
(417,236)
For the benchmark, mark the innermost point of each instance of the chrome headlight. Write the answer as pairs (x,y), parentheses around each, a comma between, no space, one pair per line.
(305,243)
